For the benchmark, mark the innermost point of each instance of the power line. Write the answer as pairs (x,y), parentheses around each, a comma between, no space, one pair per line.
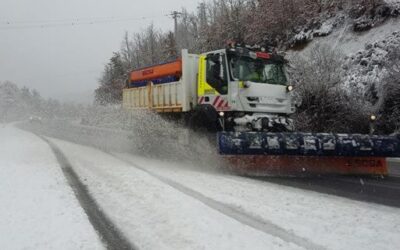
(27,21)
(13,25)
(67,75)
(70,23)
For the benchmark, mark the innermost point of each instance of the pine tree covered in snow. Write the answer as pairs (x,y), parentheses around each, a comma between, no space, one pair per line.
(112,81)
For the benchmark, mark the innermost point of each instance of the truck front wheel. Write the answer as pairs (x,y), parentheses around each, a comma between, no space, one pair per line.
(204,119)
(203,128)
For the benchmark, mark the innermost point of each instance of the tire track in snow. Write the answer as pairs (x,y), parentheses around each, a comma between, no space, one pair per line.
(253,221)
(108,232)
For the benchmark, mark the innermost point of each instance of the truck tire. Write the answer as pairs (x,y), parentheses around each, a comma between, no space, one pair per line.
(204,118)
(203,128)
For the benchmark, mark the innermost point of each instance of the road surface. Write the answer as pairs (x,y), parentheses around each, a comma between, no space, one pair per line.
(394,167)
(165,204)
(38,208)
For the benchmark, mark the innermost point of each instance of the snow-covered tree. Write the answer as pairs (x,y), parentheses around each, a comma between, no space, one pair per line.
(21,103)
(112,81)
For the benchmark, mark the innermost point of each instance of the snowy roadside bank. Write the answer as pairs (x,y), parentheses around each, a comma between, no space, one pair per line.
(38,209)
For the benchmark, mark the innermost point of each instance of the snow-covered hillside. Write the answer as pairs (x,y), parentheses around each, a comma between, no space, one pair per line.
(362,61)
(366,67)
(364,53)
(371,45)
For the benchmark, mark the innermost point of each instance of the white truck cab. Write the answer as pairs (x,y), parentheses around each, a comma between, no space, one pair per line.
(250,88)
(232,89)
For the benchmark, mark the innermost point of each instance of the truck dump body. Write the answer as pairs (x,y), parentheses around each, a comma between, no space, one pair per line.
(165,88)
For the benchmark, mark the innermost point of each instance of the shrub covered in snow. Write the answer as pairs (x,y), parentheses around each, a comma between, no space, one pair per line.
(373,72)
(324,105)
(389,103)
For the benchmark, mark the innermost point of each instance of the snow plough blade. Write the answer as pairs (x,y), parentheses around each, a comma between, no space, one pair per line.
(294,153)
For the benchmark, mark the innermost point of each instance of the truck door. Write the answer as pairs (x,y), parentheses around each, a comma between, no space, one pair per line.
(213,81)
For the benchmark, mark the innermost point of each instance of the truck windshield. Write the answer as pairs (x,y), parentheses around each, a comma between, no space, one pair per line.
(258,70)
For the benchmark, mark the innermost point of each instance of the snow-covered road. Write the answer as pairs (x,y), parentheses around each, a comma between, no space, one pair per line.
(38,210)
(155,215)
(325,220)
(202,209)
(170,205)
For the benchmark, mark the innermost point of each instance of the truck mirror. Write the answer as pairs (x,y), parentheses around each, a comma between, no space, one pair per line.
(210,56)
(215,58)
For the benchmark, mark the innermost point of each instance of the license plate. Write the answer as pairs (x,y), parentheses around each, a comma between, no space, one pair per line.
(266,100)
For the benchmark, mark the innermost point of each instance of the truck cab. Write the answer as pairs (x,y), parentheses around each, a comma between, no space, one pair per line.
(249,89)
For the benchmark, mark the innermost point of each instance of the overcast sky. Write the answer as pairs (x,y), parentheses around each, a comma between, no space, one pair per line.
(64,62)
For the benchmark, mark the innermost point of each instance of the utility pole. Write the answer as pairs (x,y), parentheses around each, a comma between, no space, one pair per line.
(175,15)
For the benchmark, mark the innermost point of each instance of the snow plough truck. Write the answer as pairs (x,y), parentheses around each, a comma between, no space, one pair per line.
(243,95)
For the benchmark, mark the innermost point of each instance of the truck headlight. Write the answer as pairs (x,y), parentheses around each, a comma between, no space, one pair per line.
(289,88)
